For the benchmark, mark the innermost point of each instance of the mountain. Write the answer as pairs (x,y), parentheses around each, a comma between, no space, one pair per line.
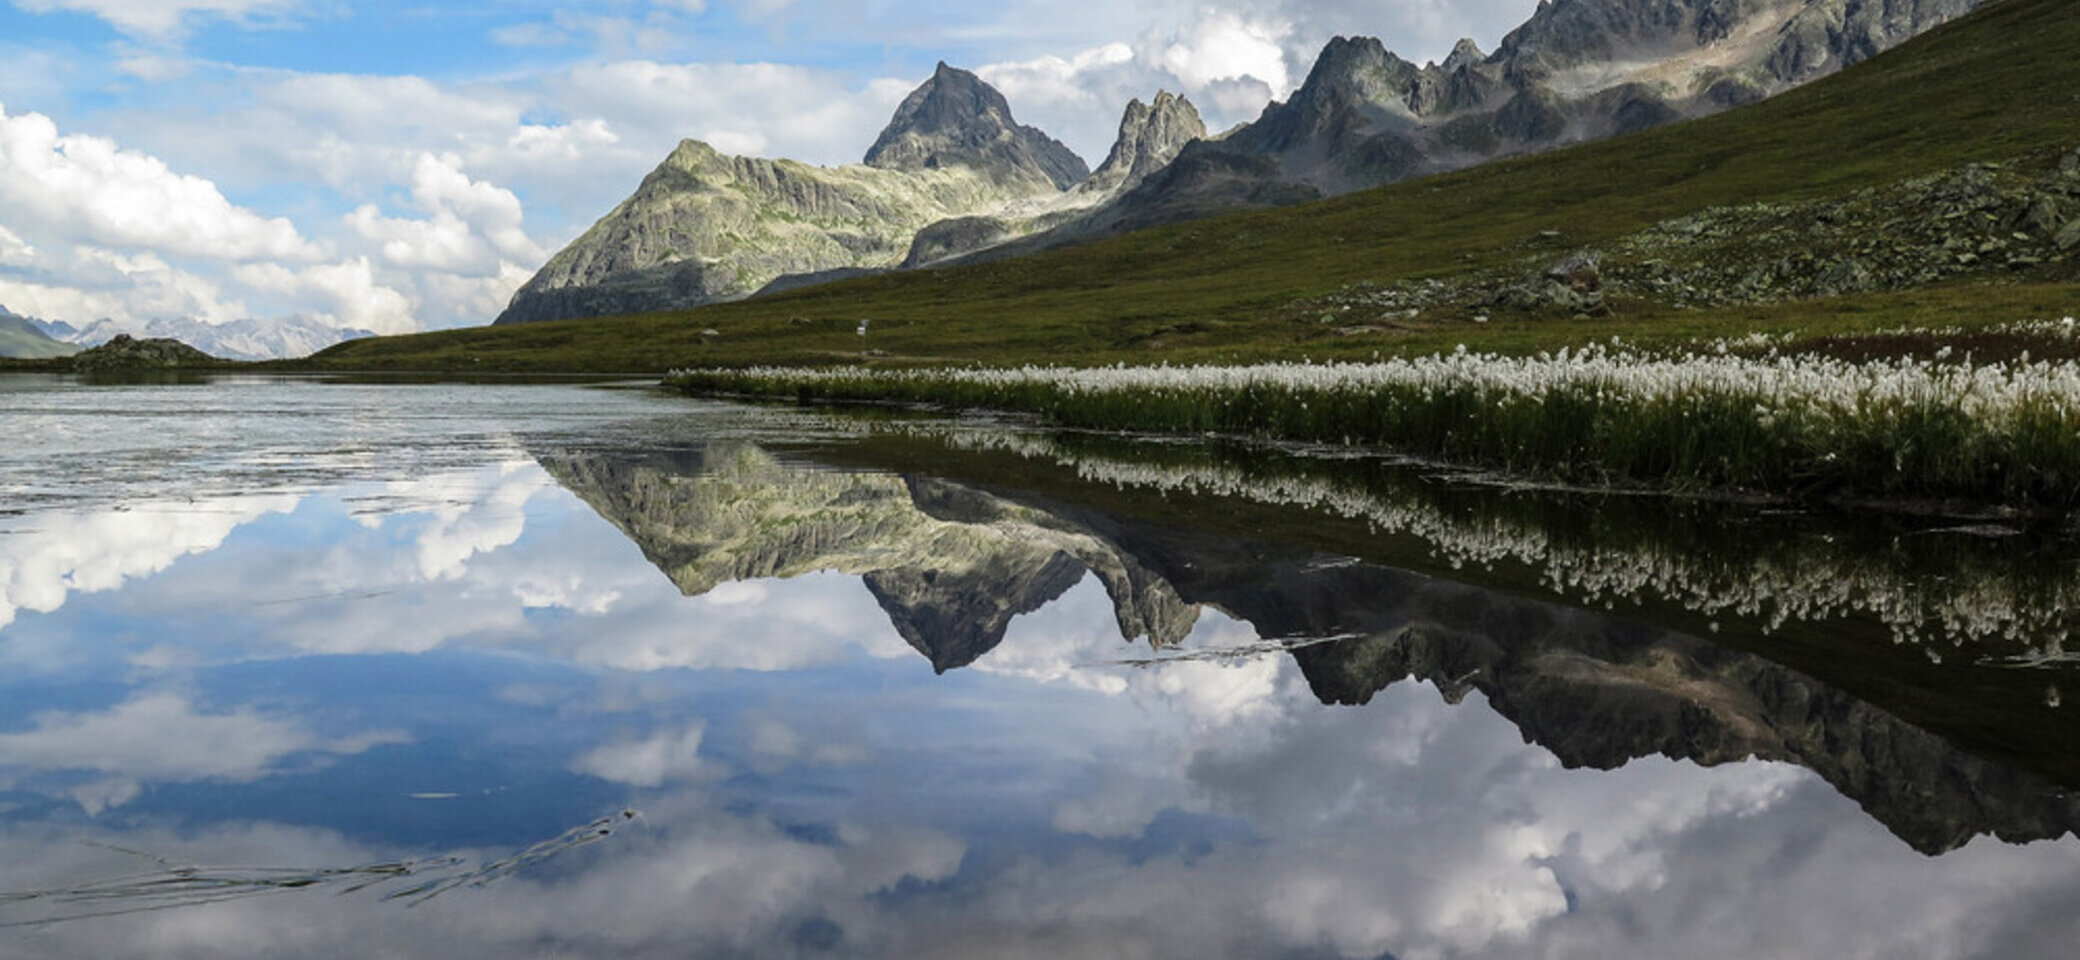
(1577,70)
(706,227)
(24,339)
(1150,136)
(956,120)
(273,339)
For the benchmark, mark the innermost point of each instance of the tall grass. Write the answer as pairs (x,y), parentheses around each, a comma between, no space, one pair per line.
(1802,426)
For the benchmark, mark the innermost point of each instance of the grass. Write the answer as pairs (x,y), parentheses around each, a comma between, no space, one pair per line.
(1804,425)
(1998,85)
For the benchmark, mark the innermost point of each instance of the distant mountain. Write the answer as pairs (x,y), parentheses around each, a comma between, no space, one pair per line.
(953,176)
(274,339)
(705,227)
(22,338)
(1577,70)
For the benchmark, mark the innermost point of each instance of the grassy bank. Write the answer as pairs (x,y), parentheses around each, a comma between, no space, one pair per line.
(1798,424)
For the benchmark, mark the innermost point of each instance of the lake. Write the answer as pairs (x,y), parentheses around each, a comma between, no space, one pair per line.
(294,667)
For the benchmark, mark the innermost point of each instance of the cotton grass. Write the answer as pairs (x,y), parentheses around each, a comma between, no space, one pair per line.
(1798,425)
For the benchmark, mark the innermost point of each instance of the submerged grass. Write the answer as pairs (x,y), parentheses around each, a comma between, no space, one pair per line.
(1796,425)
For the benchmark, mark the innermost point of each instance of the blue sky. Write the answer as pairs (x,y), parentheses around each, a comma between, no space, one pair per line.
(397,166)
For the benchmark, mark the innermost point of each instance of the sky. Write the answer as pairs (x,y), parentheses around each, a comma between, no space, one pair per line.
(398,166)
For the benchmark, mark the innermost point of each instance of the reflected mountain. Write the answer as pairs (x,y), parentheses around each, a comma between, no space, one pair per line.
(953,561)
(951,567)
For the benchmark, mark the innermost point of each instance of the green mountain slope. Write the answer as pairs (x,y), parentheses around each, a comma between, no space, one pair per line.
(1998,85)
(21,340)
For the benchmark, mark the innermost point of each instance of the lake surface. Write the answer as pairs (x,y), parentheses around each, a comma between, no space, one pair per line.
(319,669)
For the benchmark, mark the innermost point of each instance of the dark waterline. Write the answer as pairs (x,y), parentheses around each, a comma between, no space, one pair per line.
(899,686)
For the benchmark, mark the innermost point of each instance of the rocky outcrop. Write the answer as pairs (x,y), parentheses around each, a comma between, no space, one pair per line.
(1150,136)
(126,352)
(1992,220)
(956,120)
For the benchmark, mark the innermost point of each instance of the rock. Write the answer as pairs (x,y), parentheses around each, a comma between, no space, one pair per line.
(2068,237)
(1150,136)
(1572,285)
(125,352)
(956,120)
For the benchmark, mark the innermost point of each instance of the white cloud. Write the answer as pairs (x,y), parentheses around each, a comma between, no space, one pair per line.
(349,288)
(87,189)
(1053,79)
(161,737)
(1227,47)
(471,226)
(91,551)
(663,756)
(158,18)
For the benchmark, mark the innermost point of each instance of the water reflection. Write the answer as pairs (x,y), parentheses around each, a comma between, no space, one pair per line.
(902,692)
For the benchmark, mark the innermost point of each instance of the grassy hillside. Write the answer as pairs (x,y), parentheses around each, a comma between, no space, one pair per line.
(21,340)
(2002,84)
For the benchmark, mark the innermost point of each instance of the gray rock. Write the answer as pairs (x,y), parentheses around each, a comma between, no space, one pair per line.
(2068,237)
(1150,136)
(955,119)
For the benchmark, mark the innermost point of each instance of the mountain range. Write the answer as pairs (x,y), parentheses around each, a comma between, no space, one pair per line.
(22,338)
(271,339)
(954,176)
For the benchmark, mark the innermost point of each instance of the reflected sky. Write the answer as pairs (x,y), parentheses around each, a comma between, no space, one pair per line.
(423,635)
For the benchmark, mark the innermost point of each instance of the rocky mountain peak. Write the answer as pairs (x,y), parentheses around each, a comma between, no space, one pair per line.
(1150,136)
(956,119)
(1464,53)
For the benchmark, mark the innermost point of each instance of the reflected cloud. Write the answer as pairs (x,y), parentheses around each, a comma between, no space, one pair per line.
(163,738)
(53,555)
(669,755)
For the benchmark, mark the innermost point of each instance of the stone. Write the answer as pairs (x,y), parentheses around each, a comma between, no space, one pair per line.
(2068,237)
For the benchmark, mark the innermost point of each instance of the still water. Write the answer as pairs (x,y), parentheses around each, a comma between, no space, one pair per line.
(317,669)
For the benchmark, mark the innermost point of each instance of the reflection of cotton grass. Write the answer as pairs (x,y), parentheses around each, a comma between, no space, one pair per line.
(1819,582)
(2007,431)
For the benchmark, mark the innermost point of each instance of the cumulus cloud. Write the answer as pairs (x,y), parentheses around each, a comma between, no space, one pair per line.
(86,189)
(1228,47)
(472,226)
(96,550)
